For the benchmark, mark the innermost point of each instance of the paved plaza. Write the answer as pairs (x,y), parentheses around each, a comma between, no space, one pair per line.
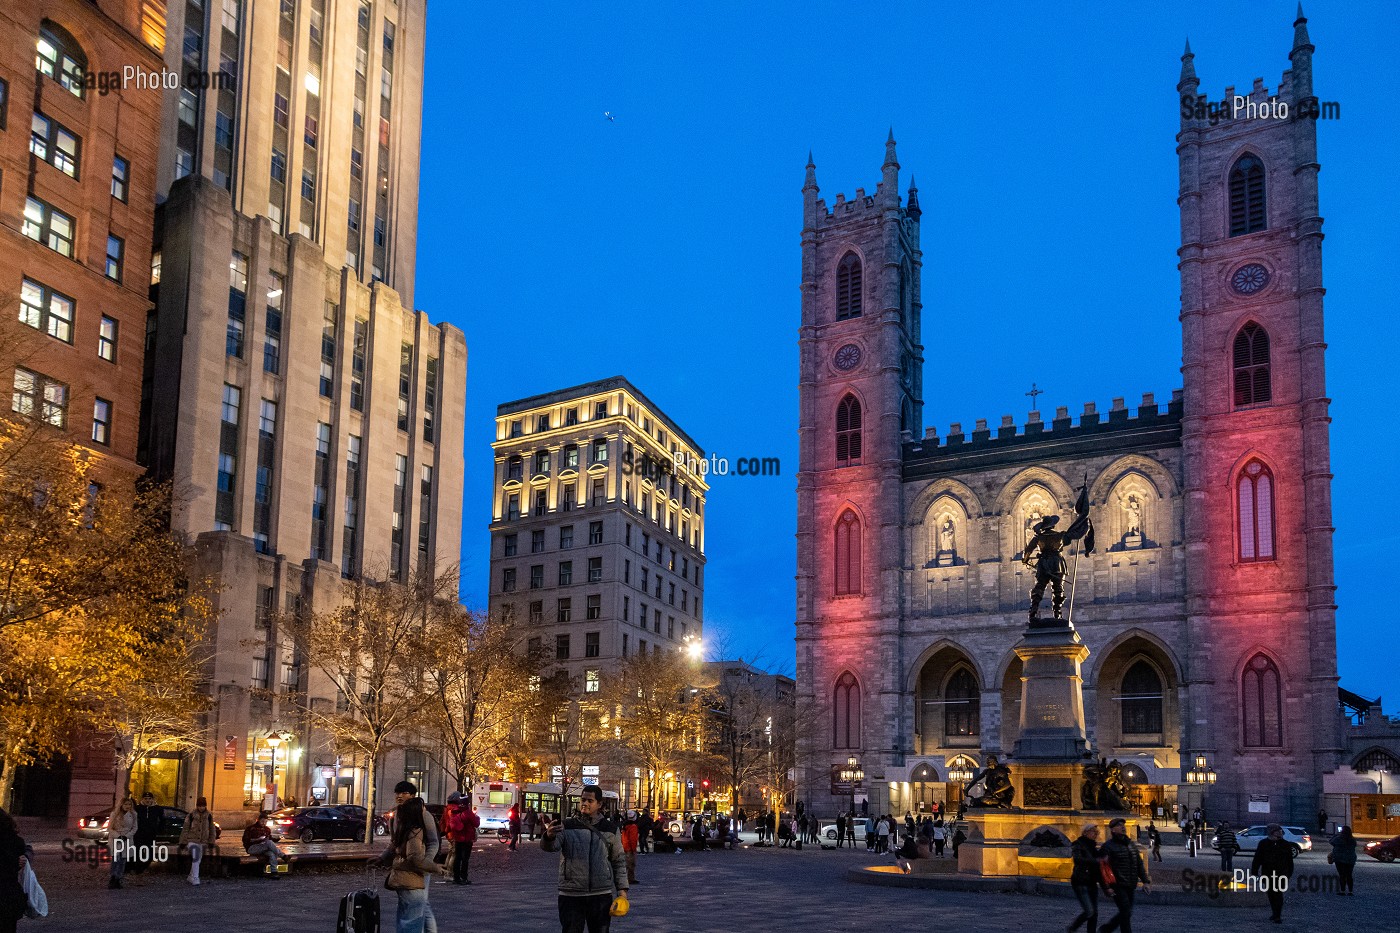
(774,890)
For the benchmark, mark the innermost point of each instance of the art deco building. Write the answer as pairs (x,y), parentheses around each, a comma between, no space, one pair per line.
(309,417)
(597,539)
(77,191)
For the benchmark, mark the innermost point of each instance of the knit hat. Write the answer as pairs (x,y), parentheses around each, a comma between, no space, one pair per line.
(454,797)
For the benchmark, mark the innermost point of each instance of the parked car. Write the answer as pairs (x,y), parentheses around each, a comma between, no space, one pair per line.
(315,824)
(1249,837)
(94,826)
(1384,850)
(381,825)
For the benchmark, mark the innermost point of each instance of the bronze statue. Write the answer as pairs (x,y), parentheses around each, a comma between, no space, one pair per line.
(1103,786)
(990,787)
(1049,565)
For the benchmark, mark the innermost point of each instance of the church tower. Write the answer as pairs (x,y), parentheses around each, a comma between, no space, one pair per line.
(1261,693)
(861,399)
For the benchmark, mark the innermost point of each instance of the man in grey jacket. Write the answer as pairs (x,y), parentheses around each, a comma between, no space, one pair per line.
(592,865)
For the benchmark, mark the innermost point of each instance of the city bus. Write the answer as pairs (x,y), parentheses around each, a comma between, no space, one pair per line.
(547,798)
(493,803)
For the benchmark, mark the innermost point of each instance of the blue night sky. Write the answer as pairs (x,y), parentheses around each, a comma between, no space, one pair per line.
(664,246)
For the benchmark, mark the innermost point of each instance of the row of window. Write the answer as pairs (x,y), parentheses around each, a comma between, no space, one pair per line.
(1260,704)
(40,397)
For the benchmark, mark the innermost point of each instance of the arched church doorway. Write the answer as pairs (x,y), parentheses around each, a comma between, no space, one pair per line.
(925,790)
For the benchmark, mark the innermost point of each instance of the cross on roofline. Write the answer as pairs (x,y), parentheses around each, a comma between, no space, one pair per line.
(1033,393)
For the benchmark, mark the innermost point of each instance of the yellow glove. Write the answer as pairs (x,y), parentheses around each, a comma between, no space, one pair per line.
(619,905)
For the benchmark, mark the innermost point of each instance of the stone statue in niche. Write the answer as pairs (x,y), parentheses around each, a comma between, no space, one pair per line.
(947,543)
(1132,520)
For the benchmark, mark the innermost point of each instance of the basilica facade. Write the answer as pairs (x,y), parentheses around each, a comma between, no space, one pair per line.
(1207,605)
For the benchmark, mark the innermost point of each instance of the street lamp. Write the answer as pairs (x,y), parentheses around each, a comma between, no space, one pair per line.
(852,774)
(694,647)
(275,738)
(1202,775)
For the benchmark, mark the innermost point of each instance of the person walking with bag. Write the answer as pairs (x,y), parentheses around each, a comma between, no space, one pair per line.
(121,830)
(1124,861)
(412,864)
(14,858)
(1227,843)
(460,823)
(197,835)
(592,866)
(1085,878)
(1343,856)
(1273,865)
(629,837)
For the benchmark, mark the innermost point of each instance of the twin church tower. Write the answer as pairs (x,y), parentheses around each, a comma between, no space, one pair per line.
(1208,608)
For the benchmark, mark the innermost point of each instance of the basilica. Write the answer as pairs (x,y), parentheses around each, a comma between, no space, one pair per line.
(1208,602)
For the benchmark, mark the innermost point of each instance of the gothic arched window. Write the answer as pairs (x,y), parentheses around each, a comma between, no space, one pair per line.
(1247,196)
(847,554)
(848,287)
(1141,700)
(962,706)
(1256,508)
(1262,702)
(845,712)
(1251,359)
(848,432)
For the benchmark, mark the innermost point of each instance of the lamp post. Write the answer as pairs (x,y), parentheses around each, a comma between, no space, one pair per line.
(959,775)
(852,774)
(274,739)
(1202,776)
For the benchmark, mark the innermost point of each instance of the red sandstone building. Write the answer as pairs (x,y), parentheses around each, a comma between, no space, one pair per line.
(1208,608)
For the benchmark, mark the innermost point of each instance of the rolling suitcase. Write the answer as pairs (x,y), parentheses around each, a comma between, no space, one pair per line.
(359,912)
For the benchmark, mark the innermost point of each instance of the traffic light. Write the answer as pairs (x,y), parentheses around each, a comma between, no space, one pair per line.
(705,784)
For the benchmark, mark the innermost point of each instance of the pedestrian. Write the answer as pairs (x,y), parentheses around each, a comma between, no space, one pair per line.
(513,826)
(530,823)
(869,833)
(629,836)
(592,866)
(14,855)
(121,830)
(1189,831)
(1343,855)
(1226,842)
(940,838)
(802,827)
(148,819)
(959,837)
(197,835)
(645,826)
(1085,878)
(1273,865)
(404,791)
(1129,871)
(460,825)
(1154,836)
(840,830)
(743,819)
(891,832)
(697,834)
(882,829)
(410,866)
(1322,821)
(908,823)
(257,840)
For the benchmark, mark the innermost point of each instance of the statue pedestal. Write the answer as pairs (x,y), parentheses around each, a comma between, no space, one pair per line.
(1031,842)
(1052,698)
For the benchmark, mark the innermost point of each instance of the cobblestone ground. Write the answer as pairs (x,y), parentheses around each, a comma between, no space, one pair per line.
(774,890)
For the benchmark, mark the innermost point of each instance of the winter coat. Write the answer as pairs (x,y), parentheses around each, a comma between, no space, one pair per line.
(198,828)
(1273,857)
(255,833)
(460,823)
(1125,858)
(1225,838)
(122,825)
(1086,871)
(1343,850)
(148,818)
(591,857)
(629,837)
(411,863)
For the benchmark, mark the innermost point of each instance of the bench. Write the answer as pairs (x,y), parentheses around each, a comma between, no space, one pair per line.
(300,853)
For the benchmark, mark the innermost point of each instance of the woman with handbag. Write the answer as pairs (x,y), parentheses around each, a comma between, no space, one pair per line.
(410,867)
(1085,878)
(1343,856)
(13,860)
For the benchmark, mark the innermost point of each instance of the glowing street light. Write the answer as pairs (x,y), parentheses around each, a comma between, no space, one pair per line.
(694,647)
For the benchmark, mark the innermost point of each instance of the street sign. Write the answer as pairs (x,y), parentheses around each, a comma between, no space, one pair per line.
(230,753)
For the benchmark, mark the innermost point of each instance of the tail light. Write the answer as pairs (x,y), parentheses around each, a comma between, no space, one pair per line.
(285,822)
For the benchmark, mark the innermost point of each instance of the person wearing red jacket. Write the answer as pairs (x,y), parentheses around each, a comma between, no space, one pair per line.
(629,845)
(461,824)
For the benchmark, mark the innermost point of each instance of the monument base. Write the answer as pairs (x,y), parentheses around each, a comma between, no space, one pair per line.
(1028,842)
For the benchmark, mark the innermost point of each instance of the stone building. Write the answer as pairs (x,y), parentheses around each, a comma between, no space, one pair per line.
(77,194)
(1208,606)
(309,418)
(597,535)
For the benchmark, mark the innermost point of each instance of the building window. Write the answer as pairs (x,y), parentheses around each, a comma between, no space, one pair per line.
(848,441)
(599,453)
(962,706)
(237,303)
(516,428)
(116,250)
(536,617)
(61,58)
(4,101)
(47,225)
(591,682)
(536,576)
(328,343)
(430,391)
(512,544)
(566,572)
(598,494)
(541,463)
(848,287)
(513,506)
(595,532)
(357,365)
(44,309)
(570,461)
(121,178)
(1251,358)
(1262,703)
(515,469)
(595,570)
(1141,700)
(591,645)
(845,712)
(102,422)
(566,537)
(508,580)
(1247,213)
(1256,509)
(54,143)
(541,423)
(107,339)
(537,541)
(848,569)
(561,647)
(232,399)
(272,339)
(564,610)
(570,497)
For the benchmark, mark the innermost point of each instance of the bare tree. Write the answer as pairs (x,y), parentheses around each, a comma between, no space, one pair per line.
(659,712)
